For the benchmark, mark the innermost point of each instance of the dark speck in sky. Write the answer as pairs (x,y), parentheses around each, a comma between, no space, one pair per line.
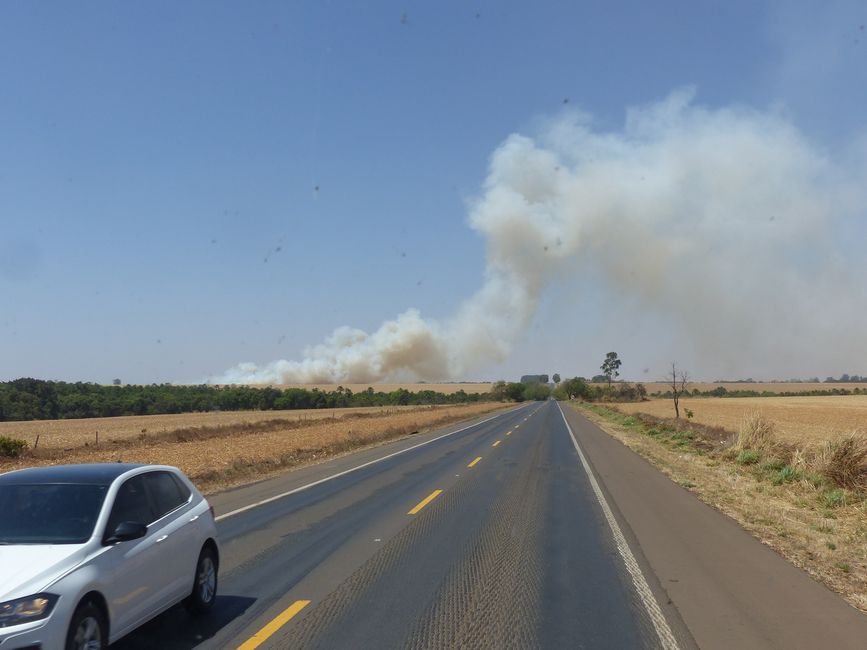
(213,241)
(404,19)
(278,249)
(565,100)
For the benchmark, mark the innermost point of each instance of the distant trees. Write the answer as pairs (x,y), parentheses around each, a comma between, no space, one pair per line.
(534,379)
(34,399)
(556,378)
(610,367)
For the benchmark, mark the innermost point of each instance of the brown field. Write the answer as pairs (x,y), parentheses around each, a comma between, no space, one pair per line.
(73,433)
(773,387)
(221,449)
(447,388)
(799,420)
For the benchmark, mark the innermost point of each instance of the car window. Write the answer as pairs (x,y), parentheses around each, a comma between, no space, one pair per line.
(49,514)
(185,491)
(165,493)
(131,504)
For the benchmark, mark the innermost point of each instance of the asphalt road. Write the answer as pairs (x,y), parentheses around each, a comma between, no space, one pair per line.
(514,551)
(518,531)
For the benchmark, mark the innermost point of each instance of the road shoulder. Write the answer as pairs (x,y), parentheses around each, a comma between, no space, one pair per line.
(729,589)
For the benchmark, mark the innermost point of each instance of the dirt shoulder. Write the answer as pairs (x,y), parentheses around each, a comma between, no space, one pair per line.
(218,456)
(818,527)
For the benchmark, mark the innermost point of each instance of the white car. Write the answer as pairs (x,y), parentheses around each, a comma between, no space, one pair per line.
(90,552)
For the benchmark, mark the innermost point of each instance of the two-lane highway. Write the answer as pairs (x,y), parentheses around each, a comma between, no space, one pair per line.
(491,535)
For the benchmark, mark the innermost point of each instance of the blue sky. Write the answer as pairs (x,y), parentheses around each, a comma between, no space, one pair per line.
(185,186)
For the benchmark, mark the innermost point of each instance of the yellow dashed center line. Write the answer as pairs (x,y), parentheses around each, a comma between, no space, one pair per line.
(495,444)
(508,433)
(474,462)
(430,497)
(284,617)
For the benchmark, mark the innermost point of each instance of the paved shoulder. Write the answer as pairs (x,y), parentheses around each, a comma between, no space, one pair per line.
(730,590)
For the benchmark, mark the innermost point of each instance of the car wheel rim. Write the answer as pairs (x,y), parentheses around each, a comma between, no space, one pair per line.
(88,635)
(207,579)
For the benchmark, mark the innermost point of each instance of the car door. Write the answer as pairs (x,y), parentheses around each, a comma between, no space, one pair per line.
(129,582)
(176,532)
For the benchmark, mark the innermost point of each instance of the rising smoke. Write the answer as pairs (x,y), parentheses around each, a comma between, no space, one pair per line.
(723,220)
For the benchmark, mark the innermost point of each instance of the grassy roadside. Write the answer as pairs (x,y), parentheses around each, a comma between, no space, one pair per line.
(791,499)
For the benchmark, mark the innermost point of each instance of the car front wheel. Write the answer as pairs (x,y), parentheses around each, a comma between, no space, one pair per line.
(204,591)
(88,629)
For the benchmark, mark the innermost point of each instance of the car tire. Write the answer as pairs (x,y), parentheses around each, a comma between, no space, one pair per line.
(204,593)
(88,629)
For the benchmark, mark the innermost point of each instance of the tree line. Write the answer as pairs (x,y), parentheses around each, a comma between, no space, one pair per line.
(36,399)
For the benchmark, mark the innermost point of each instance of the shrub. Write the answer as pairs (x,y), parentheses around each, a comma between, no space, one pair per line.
(747,457)
(845,461)
(12,447)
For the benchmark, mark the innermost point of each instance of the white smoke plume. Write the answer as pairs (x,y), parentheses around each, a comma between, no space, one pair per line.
(722,220)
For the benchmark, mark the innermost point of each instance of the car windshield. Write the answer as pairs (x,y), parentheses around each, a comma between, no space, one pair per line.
(49,513)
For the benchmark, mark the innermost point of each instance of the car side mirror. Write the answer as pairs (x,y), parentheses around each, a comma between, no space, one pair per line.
(126,531)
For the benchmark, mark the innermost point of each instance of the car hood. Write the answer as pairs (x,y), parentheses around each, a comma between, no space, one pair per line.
(27,569)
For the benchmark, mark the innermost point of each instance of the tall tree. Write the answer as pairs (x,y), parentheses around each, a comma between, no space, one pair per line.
(556,378)
(610,367)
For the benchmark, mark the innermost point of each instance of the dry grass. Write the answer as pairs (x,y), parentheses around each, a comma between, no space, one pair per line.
(218,455)
(64,434)
(756,433)
(844,461)
(798,420)
(773,387)
(806,501)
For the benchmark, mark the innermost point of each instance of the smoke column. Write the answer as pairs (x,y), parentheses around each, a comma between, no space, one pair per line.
(722,220)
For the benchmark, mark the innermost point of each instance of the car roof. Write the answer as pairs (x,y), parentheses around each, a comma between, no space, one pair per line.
(91,474)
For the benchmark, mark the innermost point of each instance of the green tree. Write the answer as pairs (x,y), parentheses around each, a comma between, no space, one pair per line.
(556,378)
(515,391)
(610,367)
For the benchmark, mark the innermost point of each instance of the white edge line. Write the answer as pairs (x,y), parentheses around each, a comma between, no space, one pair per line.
(663,631)
(282,495)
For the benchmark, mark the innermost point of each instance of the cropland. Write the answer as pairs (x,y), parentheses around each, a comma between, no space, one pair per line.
(798,420)
(221,449)
(760,387)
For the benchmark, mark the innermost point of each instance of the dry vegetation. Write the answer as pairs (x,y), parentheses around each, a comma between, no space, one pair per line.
(74,433)
(803,495)
(772,387)
(798,420)
(221,449)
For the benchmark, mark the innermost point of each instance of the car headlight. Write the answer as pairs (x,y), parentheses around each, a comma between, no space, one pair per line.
(25,610)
